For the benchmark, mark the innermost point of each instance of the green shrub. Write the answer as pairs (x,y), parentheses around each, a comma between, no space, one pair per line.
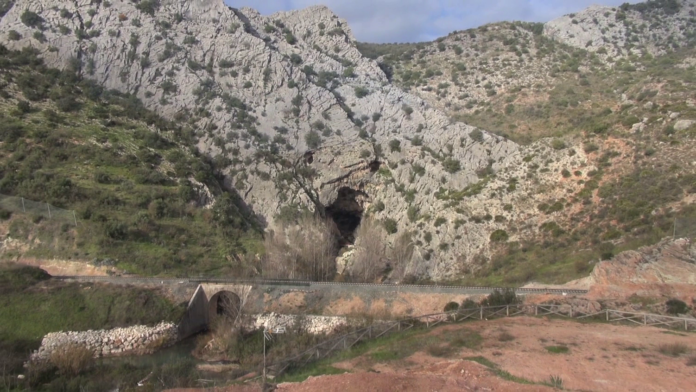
(557,349)
(501,298)
(31,19)
(13,35)
(390,226)
(476,135)
(4,214)
(558,144)
(313,139)
(590,147)
(289,38)
(148,6)
(361,92)
(629,121)
(676,306)
(295,59)
(379,206)
(451,307)
(499,236)
(395,145)
(39,36)
(407,109)
(451,165)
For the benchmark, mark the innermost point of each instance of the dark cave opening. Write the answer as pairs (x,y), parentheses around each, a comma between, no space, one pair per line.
(346,212)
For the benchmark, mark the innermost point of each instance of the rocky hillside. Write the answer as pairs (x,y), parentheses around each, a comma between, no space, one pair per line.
(296,116)
(631,114)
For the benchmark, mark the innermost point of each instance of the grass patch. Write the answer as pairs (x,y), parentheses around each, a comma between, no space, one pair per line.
(557,349)
(691,361)
(29,314)
(673,349)
(387,355)
(555,382)
(497,371)
(674,333)
(466,338)
(312,370)
(506,336)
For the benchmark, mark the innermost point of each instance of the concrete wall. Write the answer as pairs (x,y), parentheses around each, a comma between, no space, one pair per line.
(196,317)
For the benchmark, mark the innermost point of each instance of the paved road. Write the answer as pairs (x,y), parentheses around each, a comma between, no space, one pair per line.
(278,283)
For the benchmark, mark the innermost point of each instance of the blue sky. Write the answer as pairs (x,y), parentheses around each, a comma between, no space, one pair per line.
(425,20)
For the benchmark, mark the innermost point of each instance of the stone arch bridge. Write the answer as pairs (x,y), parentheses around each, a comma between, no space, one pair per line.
(212,302)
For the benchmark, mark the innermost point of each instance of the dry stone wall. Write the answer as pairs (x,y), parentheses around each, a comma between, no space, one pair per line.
(311,324)
(136,340)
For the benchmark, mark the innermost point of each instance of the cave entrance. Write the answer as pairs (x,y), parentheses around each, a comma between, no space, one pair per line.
(346,212)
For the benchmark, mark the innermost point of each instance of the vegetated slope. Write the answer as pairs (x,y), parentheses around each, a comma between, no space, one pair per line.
(516,78)
(632,115)
(145,200)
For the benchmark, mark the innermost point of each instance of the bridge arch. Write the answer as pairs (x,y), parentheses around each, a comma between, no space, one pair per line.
(223,306)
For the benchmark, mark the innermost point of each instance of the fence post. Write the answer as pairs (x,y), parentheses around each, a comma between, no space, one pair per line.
(607,311)
(645,319)
(49,210)
(536,309)
(23,209)
(571,311)
(507,310)
(74,217)
(481,313)
(686,325)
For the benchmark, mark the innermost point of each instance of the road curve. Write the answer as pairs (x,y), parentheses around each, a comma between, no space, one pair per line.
(309,284)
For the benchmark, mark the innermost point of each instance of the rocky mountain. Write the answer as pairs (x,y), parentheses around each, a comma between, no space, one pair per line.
(297,117)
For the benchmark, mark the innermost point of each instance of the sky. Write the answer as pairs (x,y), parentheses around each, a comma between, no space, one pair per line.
(383,21)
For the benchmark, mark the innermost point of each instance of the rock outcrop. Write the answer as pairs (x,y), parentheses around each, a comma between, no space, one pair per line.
(653,26)
(667,269)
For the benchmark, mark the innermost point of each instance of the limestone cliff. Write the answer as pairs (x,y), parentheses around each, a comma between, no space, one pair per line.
(292,87)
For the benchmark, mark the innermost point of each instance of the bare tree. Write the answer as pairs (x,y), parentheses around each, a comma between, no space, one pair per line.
(306,250)
(400,255)
(233,304)
(369,260)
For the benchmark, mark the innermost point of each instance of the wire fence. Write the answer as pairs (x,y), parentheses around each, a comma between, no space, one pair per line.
(379,329)
(15,204)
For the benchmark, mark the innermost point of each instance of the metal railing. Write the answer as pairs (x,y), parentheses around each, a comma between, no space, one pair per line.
(350,339)
(308,284)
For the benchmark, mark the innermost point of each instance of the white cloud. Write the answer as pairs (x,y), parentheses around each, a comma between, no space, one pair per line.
(418,20)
